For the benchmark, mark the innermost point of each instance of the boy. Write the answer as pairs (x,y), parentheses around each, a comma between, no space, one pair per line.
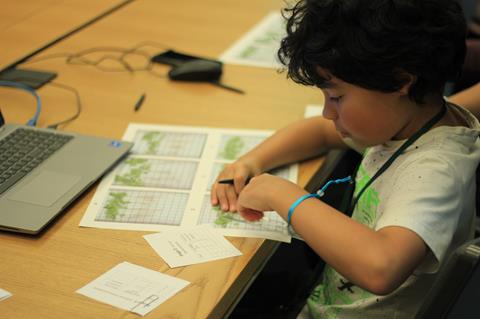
(382,66)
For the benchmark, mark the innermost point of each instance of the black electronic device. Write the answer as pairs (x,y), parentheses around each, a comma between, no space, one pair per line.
(32,78)
(196,71)
(191,68)
(174,58)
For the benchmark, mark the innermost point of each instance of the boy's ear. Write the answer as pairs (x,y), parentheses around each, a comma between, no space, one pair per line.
(408,80)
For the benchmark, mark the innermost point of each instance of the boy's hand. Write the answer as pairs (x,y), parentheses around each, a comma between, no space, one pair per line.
(225,195)
(251,215)
(261,195)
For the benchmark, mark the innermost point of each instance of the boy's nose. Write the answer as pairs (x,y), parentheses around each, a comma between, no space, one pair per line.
(329,111)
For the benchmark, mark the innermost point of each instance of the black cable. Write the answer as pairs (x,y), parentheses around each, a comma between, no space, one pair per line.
(78,100)
(82,58)
(116,54)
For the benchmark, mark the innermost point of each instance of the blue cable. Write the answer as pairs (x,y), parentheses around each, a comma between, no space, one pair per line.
(316,195)
(335,181)
(24,87)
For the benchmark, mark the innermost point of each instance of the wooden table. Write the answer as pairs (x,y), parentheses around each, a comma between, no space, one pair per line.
(26,26)
(43,272)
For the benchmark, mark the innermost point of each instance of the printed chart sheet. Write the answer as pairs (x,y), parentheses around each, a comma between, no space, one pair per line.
(165,182)
(259,46)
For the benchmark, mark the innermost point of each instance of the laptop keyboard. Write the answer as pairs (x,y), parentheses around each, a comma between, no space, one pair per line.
(23,150)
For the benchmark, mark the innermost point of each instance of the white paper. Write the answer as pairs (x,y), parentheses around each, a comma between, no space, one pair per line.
(133,288)
(191,246)
(313,110)
(164,183)
(4,294)
(260,45)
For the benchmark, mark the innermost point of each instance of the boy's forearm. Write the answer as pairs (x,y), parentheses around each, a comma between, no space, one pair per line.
(362,255)
(298,141)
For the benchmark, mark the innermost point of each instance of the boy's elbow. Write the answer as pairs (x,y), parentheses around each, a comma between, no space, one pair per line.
(382,280)
(380,287)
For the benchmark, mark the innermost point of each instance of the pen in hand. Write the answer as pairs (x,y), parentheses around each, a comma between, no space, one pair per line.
(231,181)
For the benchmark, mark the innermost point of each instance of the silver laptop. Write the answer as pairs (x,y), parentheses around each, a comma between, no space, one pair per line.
(42,171)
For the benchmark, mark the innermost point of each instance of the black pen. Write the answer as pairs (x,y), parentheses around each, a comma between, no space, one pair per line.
(139,103)
(228,87)
(231,182)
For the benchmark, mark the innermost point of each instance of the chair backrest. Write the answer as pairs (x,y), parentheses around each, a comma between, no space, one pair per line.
(456,291)
(467,305)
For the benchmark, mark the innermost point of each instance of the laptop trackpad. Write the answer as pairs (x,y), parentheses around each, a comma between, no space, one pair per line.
(45,189)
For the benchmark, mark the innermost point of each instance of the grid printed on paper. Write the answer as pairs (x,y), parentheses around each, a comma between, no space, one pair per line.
(233,146)
(210,215)
(156,174)
(143,207)
(173,144)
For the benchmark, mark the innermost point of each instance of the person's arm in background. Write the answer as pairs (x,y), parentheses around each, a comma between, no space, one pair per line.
(468,98)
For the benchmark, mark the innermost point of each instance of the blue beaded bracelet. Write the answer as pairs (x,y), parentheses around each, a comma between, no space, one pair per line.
(296,203)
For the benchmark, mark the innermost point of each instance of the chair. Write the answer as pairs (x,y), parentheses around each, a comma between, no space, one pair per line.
(456,291)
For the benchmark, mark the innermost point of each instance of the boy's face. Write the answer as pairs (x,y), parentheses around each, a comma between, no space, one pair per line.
(368,117)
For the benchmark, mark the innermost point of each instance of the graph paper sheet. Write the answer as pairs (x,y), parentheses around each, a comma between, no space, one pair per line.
(165,182)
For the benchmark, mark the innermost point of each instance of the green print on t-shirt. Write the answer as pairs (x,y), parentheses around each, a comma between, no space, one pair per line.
(335,289)
(366,210)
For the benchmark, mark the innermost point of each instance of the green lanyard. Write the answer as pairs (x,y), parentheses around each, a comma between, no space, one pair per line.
(434,120)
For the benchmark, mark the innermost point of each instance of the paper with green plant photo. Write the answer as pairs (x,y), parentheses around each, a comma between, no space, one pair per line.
(165,182)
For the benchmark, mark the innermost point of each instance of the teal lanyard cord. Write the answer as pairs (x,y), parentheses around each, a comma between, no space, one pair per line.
(434,120)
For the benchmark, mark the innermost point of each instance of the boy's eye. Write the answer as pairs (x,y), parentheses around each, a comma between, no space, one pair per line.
(336,98)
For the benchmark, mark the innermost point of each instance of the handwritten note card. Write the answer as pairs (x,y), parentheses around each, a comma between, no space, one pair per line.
(133,288)
(191,246)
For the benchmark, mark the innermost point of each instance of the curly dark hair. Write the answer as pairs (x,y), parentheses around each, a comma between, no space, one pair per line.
(375,44)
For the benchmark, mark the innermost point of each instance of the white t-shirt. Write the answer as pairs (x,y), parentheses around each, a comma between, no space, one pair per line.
(429,189)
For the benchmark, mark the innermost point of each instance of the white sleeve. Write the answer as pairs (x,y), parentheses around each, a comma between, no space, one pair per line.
(426,199)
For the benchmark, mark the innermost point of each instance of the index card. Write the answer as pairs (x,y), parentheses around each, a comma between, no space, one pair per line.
(133,288)
(191,246)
